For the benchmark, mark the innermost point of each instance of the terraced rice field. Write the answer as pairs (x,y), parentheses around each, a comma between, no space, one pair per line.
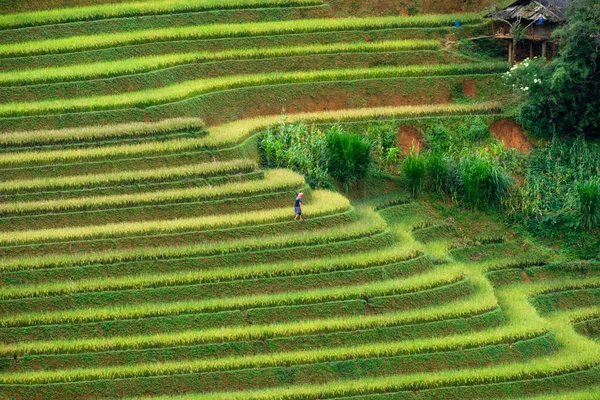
(145,253)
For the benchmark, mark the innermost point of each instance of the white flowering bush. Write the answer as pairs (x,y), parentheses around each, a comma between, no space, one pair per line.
(527,77)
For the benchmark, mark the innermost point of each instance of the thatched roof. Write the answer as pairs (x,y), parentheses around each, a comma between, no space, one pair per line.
(532,10)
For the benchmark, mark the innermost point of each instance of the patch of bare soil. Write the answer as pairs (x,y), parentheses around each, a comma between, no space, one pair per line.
(508,131)
(409,136)
(469,87)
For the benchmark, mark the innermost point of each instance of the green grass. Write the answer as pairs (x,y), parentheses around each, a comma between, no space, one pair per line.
(79,43)
(134,8)
(173,93)
(151,63)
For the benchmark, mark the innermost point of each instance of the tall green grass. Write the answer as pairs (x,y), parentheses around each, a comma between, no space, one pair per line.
(79,43)
(133,8)
(150,97)
(150,63)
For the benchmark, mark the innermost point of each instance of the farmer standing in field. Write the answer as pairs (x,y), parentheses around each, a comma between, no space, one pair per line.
(298,206)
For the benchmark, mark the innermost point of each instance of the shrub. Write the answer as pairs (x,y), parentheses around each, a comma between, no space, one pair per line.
(348,156)
(384,147)
(297,147)
(438,138)
(414,172)
(437,172)
(484,181)
(588,194)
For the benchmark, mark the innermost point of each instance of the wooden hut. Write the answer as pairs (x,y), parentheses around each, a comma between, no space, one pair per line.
(536,19)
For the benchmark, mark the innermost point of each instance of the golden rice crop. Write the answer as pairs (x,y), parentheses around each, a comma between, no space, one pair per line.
(151,63)
(78,43)
(133,8)
(180,91)
(322,203)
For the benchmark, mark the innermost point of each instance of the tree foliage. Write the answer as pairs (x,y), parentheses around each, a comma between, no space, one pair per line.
(562,95)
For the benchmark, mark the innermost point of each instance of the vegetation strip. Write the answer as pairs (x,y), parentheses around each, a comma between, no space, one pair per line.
(278,179)
(151,63)
(79,43)
(325,203)
(384,288)
(213,169)
(234,132)
(135,8)
(173,93)
(368,225)
(325,265)
(101,132)
(483,301)
(576,354)
(377,350)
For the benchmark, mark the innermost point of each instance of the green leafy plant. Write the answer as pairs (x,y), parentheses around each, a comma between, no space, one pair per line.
(484,181)
(348,156)
(414,172)
(437,172)
(589,204)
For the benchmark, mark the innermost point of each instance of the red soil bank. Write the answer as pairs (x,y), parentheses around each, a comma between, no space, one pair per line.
(508,131)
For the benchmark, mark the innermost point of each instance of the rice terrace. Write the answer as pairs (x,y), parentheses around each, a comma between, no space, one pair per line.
(300,199)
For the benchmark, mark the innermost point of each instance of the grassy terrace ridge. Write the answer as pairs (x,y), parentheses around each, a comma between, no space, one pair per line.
(194,88)
(482,301)
(584,394)
(576,354)
(275,180)
(152,63)
(80,43)
(369,224)
(425,281)
(379,258)
(232,133)
(211,169)
(390,349)
(322,203)
(136,8)
(100,132)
